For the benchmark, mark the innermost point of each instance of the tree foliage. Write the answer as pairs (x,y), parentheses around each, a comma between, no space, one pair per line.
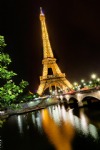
(9,91)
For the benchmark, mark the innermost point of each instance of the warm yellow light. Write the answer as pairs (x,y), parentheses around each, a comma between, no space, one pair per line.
(75,83)
(98,79)
(82,81)
(93,76)
(58,78)
(90,82)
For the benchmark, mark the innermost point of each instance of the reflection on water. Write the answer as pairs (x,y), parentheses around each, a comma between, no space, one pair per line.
(56,124)
(37,120)
(19,117)
(0,142)
(58,135)
(60,124)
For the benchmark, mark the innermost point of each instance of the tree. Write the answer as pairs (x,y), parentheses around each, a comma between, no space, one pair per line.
(9,91)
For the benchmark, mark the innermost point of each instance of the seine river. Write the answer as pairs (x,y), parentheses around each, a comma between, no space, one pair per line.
(53,128)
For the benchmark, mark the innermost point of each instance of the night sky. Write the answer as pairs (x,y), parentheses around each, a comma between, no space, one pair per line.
(74,31)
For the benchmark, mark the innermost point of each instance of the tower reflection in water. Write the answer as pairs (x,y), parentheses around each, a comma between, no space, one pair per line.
(60,124)
(37,120)
(20,125)
(58,131)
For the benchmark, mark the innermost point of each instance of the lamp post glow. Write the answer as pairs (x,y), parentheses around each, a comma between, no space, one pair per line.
(82,81)
(93,76)
(98,79)
(84,84)
(90,82)
(75,83)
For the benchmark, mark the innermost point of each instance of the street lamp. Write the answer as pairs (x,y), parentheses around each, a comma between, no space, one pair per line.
(93,76)
(98,82)
(84,84)
(75,85)
(90,82)
(82,81)
(98,79)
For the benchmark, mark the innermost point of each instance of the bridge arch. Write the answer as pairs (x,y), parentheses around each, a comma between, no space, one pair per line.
(89,100)
(73,102)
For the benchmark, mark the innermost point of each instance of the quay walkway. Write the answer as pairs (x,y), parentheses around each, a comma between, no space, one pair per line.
(28,107)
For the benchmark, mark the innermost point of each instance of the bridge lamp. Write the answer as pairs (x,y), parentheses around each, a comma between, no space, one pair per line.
(93,76)
(98,79)
(75,83)
(82,81)
(90,82)
(84,84)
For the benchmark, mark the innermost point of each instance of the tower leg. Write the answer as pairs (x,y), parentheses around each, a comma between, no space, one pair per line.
(41,88)
(66,82)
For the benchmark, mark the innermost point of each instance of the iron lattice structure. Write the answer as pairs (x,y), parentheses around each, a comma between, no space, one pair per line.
(57,79)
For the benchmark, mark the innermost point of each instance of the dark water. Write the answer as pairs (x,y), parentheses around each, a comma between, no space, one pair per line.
(54,128)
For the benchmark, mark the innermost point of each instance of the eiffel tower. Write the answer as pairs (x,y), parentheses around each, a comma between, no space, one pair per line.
(57,79)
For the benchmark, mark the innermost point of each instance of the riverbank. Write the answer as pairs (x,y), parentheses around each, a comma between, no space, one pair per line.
(41,105)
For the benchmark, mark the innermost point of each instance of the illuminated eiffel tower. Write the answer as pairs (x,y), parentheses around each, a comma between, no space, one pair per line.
(57,79)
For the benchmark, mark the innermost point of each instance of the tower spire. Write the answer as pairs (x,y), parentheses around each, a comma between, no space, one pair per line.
(41,11)
(47,50)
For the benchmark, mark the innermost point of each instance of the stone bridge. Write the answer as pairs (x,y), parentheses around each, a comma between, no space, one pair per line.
(80,96)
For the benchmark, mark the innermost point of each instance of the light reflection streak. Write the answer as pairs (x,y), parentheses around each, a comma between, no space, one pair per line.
(77,123)
(56,115)
(84,123)
(33,118)
(20,124)
(71,116)
(93,131)
(87,128)
(63,114)
(0,142)
(36,119)
(39,123)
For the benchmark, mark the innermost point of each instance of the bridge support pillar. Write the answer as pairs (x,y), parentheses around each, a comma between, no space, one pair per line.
(80,104)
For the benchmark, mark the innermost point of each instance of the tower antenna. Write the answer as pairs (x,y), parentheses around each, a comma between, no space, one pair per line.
(41,11)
